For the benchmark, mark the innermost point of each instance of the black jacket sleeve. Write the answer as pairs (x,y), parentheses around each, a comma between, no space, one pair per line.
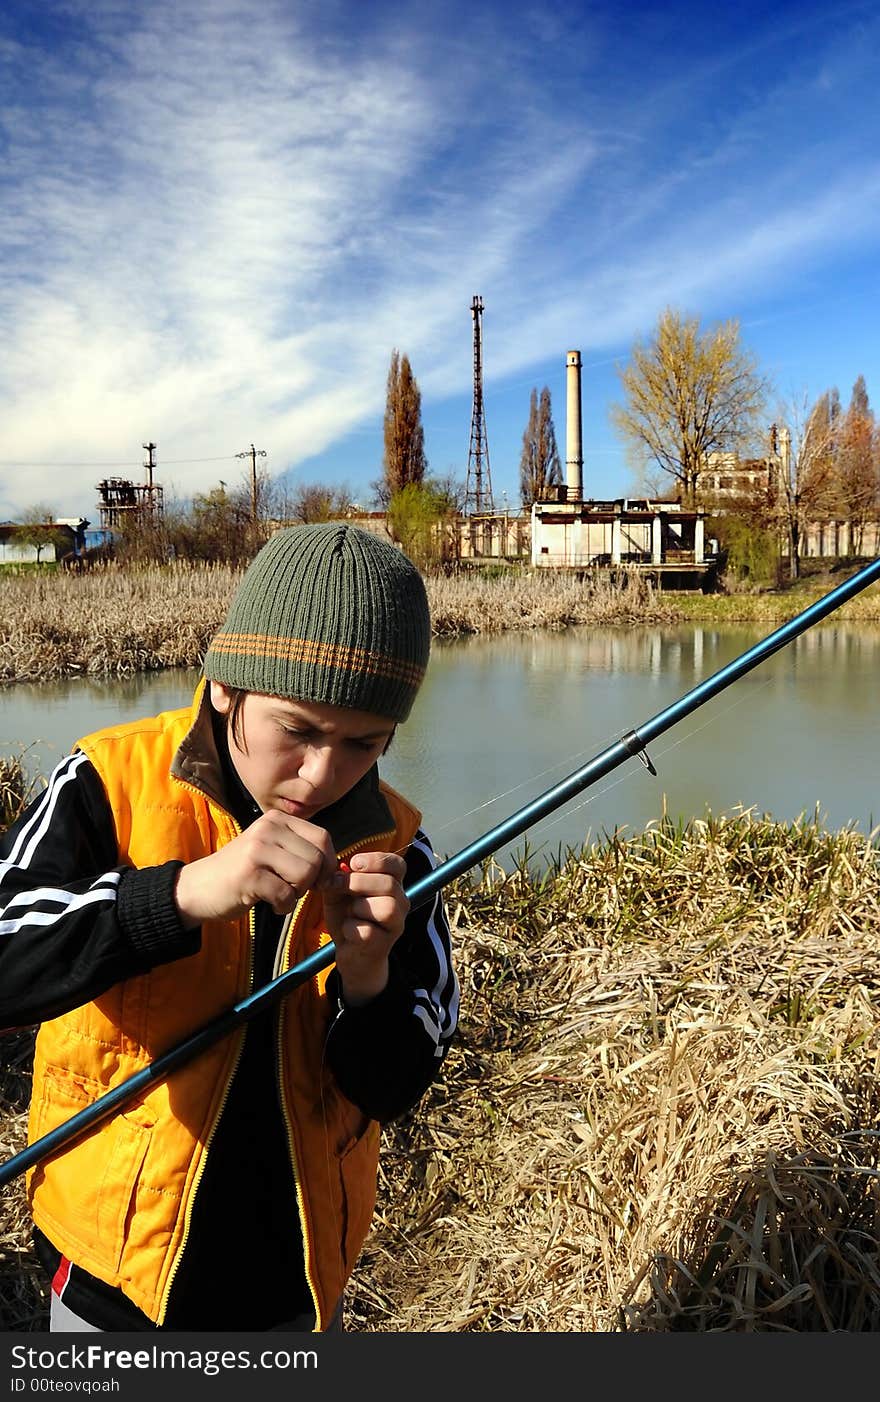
(385,1053)
(73,920)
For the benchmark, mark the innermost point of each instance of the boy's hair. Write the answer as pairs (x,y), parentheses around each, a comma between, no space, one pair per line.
(328,613)
(235,719)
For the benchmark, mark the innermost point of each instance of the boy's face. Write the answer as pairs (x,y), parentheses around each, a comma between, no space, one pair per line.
(300,756)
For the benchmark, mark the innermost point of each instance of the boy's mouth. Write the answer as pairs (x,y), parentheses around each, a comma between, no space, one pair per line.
(295,809)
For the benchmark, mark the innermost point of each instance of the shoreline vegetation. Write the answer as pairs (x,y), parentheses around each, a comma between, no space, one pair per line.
(660,1112)
(116,621)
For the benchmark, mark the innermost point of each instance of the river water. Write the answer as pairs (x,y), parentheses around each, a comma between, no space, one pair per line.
(500,720)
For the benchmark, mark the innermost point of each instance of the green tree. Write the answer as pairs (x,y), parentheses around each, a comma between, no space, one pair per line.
(403,462)
(416,517)
(689,393)
(539,464)
(36,531)
(750,550)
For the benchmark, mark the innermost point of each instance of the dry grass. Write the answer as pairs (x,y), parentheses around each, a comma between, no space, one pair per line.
(15,788)
(24,1299)
(660,1112)
(111,621)
(115,622)
(471,604)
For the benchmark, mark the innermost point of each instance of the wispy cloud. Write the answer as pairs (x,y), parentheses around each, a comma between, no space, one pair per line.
(217,219)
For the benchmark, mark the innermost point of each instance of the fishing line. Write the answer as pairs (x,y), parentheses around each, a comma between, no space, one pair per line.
(628,773)
(608,738)
(530,779)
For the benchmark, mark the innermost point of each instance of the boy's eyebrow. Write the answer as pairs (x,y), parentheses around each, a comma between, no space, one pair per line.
(303,718)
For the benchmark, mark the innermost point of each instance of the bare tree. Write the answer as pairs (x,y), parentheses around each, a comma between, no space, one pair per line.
(804,486)
(403,462)
(37,531)
(451,490)
(539,464)
(314,501)
(219,526)
(689,393)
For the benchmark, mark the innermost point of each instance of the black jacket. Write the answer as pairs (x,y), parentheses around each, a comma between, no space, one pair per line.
(73,924)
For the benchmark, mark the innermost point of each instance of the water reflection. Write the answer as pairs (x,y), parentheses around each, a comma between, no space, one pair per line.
(502,719)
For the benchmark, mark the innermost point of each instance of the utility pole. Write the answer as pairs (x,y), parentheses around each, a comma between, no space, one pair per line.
(150,449)
(253,454)
(153,495)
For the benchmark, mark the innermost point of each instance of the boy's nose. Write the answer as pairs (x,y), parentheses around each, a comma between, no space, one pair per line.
(317,766)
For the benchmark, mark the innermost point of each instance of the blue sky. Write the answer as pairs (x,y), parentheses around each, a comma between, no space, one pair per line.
(218,218)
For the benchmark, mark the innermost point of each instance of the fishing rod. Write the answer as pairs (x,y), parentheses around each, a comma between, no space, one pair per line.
(633,744)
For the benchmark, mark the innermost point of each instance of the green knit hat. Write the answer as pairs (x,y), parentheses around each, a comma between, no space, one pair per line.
(328,613)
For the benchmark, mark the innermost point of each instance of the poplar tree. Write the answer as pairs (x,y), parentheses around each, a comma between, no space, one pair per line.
(539,464)
(404,463)
(857,464)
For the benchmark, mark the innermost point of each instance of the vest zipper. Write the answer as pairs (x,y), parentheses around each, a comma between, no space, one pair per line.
(286,939)
(187,1221)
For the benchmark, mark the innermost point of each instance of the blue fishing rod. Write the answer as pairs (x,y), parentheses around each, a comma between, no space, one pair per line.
(633,743)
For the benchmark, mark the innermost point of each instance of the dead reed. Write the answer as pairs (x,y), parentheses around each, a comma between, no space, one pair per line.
(115,622)
(475,604)
(15,789)
(661,1111)
(660,1115)
(110,621)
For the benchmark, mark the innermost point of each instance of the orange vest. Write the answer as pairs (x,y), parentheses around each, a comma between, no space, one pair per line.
(118,1201)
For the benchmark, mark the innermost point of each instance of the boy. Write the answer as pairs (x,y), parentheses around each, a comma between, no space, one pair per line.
(172,865)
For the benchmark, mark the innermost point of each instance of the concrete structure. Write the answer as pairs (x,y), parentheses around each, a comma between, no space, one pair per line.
(659,538)
(499,535)
(569,532)
(728,482)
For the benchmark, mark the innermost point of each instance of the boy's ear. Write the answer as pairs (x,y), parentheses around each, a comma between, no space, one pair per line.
(220,698)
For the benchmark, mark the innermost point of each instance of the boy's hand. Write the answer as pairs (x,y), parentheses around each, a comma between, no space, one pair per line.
(277,859)
(366,909)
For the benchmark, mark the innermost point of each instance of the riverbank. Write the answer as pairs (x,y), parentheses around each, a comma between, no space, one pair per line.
(117,622)
(658,1115)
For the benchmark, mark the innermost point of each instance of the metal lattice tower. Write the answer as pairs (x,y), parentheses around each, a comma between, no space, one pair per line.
(478,492)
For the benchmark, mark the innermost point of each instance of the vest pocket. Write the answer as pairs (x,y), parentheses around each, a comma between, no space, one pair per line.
(87,1188)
